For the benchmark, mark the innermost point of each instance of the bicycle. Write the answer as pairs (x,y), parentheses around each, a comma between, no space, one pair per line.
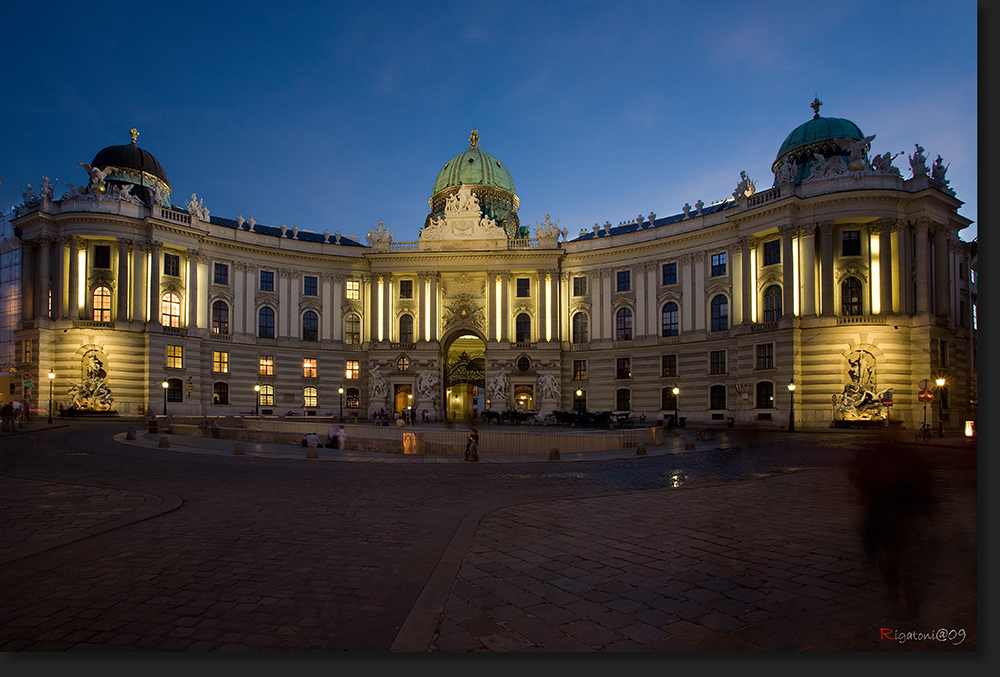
(924,434)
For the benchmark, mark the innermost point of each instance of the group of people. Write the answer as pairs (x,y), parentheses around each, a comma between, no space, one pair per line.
(336,438)
(10,412)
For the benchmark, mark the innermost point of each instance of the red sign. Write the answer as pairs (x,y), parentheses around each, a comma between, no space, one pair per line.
(887,402)
(926,396)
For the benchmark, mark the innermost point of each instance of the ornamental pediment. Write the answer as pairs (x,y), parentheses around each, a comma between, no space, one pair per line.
(463,226)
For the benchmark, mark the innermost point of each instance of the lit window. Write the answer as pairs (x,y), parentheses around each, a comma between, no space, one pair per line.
(403,363)
(772,303)
(772,252)
(266,365)
(267,396)
(717,362)
(718,264)
(310,286)
(172,265)
(310,326)
(309,397)
(220,393)
(352,397)
(353,289)
(720,313)
(669,365)
(523,287)
(352,329)
(102,304)
(669,274)
(623,324)
(669,327)
(310,367)
(267,280)
(265,323)
(579,370)
(580,328)
(175,357)
(624,280)
(170,310)
(352,370)
(220,362)
(220,318)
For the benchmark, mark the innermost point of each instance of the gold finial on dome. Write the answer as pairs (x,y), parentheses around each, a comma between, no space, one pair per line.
(135,133)
(474,140)
(815,106)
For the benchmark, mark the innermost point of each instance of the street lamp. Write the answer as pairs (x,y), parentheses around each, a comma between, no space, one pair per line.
(52,377)
(256,407)
(579,401)
(791,406)
(341,391)
(677,421)
(165,384)
(940,385)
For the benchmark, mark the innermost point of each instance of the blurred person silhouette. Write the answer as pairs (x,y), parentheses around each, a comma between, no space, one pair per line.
(897,500)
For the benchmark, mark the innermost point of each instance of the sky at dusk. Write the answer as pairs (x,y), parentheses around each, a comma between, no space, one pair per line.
(338,115)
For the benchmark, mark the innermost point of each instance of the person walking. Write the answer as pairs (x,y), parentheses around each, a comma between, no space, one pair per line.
(472,446)
(341,438)
(7,413)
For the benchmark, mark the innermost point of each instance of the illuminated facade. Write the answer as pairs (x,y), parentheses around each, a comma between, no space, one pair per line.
(844,277)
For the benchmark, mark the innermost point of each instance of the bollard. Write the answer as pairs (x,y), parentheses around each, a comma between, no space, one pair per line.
(238,449)
(553,454)
(312,453)
(164,442)
(640,450)
(689,444)
(130,435)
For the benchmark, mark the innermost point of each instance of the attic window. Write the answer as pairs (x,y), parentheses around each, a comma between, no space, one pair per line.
(471,160)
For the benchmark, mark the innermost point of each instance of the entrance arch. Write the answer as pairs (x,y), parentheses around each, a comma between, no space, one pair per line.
(464,376)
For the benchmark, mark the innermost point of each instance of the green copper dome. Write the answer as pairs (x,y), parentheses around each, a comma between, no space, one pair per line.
(818,130)
(474,167)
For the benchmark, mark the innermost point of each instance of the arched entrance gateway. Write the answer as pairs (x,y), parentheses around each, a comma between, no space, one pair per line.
(465,377)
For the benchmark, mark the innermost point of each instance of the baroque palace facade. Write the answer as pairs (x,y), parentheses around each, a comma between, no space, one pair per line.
(844,277)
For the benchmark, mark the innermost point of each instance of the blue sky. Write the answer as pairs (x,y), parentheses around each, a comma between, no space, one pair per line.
(339,115)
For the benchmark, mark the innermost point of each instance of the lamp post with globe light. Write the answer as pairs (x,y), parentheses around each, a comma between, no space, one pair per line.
(52,377)
(579,401)
(166,385)
(791,406)
(677,420)
(341,391)
(940,384)
(256,406)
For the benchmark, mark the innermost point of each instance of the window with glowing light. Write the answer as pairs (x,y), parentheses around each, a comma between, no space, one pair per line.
(220,362)
(102,304)
(310,367)
(265,365)
(220,317)
(353,290)
(310,396)
(352,370)
(175,357)
(170,310)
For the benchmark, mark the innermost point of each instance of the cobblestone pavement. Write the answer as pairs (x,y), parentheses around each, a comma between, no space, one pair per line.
(748,543)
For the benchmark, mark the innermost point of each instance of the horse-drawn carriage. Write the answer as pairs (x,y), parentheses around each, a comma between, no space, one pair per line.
(585,419)
(513,417)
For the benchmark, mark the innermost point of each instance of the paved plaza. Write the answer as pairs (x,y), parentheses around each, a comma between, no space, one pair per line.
(750,542)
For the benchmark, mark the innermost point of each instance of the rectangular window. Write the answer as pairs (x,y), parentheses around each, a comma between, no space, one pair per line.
(669,365)
(27,351)
(310,286)
(310,397)
(717,362)
(352,370)
(669,274)
(175,357)
(353,290)
(523,287)
(717,398)
(221,275)
(850,243)
(623,399)
(765,395)
(772,252)
(172,265)
(624,369)
(266,365)
(624,280)
(406,289)
(175,390)
(718,264)
(765,356)
(579,370)
(220,393)
(102,256)
(942,354)
(220,362)
(579,286)
(668,401)
(267,280)
(309,367)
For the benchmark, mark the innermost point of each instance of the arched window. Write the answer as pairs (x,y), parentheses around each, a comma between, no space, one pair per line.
(310,326)
(266,396)
(670,319)
(170,310)
(265,323)
(220,318)
(310,396)
(406,329)
(850,296)
(772,303)
(175,390)
(765,395)
(352,329)
(102,304)
(522,332)
(720,313)
(717,397)
(623,324)
(580,328)
(623,399)
(220,393)
(353,398)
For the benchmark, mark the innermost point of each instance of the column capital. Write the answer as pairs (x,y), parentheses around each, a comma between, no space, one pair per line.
(825,227)
(788,230)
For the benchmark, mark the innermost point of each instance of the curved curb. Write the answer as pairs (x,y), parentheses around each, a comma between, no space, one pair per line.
(168,503)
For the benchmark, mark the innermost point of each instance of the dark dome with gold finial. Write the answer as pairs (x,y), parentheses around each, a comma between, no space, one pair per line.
(129,164)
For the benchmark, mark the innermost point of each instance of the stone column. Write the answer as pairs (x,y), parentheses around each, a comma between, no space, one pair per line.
(154,292)
(652,284)
(596,310)
(923,274)
(686,262)
(787,271)
(60,289)
(29,250)
(807,259)
(42,280)
(121,282)
(242,310)
(387,327)
(491,305)
(420,334)
(332,295)
(902,274)
(608,325)
(554,304)
(435,284)
(639,328)
(746,245)
(565,321)
(698,284)
(826,268)
(192,290)
(139,304)
(886,261)
(942,265)
(73,303)
(505,306)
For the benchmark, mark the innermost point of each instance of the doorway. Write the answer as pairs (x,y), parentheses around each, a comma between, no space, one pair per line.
(465,378)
